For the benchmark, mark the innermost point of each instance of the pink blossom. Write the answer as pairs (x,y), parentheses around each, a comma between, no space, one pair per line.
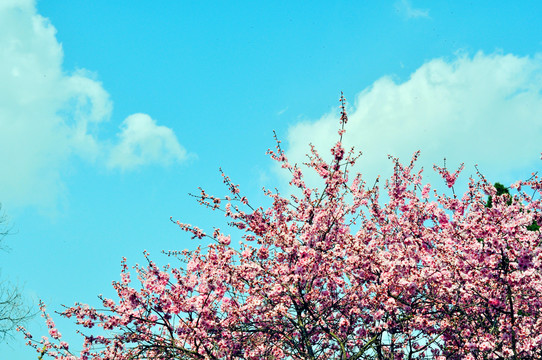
(334,273)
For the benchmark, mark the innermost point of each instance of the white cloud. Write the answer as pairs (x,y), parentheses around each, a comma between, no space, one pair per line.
(143,142)
(485,109)
(46,112)
(405,8)
(22,4)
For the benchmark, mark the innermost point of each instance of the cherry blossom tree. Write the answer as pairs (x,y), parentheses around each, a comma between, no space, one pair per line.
(335,273)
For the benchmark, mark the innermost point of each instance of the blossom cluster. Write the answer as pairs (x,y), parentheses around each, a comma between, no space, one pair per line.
(337,273)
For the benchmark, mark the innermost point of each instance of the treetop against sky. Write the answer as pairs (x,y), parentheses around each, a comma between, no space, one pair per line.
(335,273)
(110,115)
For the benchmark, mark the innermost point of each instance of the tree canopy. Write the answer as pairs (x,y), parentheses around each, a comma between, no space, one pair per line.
(336,273)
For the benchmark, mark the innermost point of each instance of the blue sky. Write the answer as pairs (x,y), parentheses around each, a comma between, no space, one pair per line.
(110,114)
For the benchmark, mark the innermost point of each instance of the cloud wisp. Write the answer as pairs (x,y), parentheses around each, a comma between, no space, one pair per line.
(405,8)
(485,110)
(143,142)
(46,113)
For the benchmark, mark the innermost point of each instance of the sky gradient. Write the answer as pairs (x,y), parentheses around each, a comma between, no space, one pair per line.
(111,114)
